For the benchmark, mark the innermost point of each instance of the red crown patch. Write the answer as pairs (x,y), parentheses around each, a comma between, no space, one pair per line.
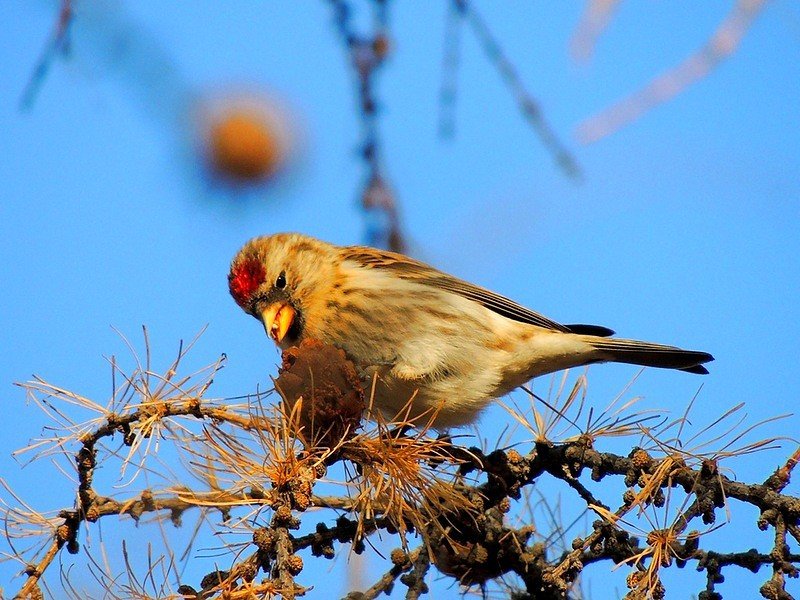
(244,279)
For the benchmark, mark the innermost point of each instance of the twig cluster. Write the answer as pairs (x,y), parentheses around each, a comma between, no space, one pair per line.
(448,505)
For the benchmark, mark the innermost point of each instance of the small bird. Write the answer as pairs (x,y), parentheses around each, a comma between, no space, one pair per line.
(446,344)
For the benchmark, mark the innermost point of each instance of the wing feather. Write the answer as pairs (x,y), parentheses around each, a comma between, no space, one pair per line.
(408,268)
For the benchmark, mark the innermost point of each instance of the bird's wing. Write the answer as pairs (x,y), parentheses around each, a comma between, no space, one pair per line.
(408,268)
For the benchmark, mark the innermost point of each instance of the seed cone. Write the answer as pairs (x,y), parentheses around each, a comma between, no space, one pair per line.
(326,383)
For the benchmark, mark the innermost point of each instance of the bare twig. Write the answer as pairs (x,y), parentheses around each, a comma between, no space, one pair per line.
(367,54)
(529,107)
(57,44)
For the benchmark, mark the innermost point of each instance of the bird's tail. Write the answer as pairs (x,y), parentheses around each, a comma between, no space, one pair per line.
(649,355)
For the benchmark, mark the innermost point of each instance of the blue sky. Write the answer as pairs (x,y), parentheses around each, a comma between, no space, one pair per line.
(684,229)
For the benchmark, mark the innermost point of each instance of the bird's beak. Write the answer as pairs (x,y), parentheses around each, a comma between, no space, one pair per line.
(277,319)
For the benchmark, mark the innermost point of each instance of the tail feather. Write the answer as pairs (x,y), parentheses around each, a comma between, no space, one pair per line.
(650,355)
(597,330)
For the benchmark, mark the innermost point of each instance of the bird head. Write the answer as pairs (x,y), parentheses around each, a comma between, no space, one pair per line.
(279,279)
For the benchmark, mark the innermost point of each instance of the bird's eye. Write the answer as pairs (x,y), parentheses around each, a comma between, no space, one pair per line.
(280,282)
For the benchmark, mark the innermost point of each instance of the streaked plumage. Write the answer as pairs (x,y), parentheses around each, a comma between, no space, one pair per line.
(451,344)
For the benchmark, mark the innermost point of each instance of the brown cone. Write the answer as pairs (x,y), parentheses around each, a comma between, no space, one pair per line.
(331,392)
